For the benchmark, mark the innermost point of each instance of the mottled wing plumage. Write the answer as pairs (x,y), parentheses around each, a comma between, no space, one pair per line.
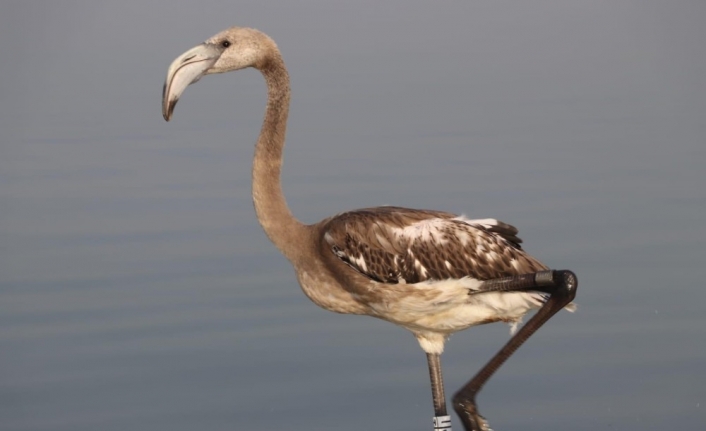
(497,227)
(400,245)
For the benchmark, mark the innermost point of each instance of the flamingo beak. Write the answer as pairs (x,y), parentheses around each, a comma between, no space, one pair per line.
(186,69)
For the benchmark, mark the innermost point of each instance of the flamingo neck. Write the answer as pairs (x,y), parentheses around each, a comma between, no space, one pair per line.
(285,231)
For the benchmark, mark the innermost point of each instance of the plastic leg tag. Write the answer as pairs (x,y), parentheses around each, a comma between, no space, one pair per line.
(442,423)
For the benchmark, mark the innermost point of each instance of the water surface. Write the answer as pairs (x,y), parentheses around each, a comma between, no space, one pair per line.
(138,292)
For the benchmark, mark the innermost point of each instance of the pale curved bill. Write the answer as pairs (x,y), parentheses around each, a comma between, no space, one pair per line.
(184,71)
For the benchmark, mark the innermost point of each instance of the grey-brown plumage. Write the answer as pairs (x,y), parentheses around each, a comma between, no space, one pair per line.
(402,245)
(414,268)
(410,267)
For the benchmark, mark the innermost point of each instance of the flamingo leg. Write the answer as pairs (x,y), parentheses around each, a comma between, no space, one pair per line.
(561,286)
(442,421)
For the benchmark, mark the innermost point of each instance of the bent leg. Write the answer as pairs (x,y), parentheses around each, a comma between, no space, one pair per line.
(561,286)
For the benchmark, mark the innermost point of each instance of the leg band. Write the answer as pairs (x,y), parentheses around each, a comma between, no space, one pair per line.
(442,423)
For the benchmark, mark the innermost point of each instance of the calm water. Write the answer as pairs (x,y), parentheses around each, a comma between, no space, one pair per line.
(137,291)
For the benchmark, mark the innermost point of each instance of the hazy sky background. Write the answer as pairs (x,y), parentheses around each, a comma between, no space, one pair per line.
(137,290)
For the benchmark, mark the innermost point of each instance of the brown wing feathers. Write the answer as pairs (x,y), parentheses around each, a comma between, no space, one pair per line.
(399,245)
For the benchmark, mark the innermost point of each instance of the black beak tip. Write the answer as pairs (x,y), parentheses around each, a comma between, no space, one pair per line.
(169,110)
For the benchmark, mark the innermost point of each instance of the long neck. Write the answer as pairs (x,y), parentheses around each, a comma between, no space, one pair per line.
(285,231)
